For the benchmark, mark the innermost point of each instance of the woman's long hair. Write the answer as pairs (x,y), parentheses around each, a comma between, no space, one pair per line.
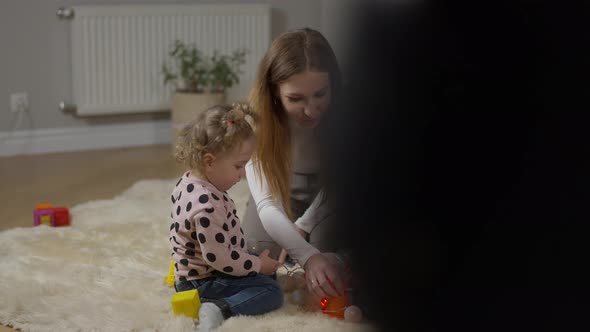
(291,53)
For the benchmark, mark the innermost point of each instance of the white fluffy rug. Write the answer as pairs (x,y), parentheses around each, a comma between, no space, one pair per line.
(106,272)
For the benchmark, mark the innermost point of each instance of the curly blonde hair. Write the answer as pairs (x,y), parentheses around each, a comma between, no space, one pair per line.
(216,130)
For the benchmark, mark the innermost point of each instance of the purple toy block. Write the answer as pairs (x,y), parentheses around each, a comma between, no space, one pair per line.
(44,216)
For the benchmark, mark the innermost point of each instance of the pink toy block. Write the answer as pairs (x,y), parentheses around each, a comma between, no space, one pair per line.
(44,216)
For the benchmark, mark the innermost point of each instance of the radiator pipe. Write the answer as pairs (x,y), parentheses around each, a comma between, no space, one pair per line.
(65,13)
(67,108)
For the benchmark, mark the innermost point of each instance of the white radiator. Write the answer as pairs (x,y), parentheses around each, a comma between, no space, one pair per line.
(118,51)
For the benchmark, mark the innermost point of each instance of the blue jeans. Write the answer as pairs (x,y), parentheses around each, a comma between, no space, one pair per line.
(253,295)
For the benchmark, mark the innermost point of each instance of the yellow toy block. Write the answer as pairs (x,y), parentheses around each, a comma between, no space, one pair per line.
(186,303)
(46,220)
(170,278)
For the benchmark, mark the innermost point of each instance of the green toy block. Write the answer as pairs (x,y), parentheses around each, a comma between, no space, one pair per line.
(186,303)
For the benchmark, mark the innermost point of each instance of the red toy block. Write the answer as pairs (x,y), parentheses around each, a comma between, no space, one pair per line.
(61,217)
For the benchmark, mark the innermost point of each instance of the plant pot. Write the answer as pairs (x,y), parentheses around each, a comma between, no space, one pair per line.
(186,106)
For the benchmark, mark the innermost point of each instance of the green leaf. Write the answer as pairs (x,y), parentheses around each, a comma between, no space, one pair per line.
(188,68)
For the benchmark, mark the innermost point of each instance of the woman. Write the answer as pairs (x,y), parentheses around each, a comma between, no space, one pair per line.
(297,80)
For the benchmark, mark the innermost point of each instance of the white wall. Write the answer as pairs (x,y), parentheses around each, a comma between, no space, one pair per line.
(337,25)
(35,59)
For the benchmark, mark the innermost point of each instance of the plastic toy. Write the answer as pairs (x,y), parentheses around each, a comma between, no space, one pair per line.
(334,306)
(170,278)
(353,313)
(48,215)
(339,307)
(186,303)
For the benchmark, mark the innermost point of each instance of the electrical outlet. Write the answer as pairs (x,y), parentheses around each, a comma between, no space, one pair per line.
(19,102)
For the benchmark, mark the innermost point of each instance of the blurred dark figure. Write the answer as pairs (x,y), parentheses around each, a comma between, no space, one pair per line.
(459,159)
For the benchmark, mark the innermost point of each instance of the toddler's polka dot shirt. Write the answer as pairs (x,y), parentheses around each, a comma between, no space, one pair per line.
(205,232)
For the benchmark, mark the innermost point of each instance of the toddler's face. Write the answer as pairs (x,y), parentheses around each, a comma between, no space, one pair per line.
(306,96)
(228,168)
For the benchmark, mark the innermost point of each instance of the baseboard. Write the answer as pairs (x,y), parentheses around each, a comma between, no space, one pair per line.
(26,142)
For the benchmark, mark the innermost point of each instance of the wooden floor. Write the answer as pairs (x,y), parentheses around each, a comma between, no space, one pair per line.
(67,179)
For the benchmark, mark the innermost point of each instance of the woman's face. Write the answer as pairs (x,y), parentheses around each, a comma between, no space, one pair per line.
(306,96)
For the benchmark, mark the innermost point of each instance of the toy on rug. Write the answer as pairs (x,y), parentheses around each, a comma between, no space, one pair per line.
(48,215)
(183,303)
(334,306)
(170,277)
(186,303)
(340,307)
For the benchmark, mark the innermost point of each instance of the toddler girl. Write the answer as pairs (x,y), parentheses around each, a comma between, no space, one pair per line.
(206,238)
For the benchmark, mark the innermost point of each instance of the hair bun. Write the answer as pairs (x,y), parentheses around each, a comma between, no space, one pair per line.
(243,111)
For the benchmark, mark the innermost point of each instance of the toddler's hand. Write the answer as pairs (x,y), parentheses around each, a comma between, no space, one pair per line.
(282,256)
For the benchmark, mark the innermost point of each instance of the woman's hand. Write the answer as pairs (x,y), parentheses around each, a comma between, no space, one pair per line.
(324,274)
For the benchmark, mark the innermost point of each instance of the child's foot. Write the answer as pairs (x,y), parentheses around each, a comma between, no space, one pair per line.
(210,317)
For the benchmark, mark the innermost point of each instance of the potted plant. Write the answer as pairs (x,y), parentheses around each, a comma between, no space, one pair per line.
(199,81)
